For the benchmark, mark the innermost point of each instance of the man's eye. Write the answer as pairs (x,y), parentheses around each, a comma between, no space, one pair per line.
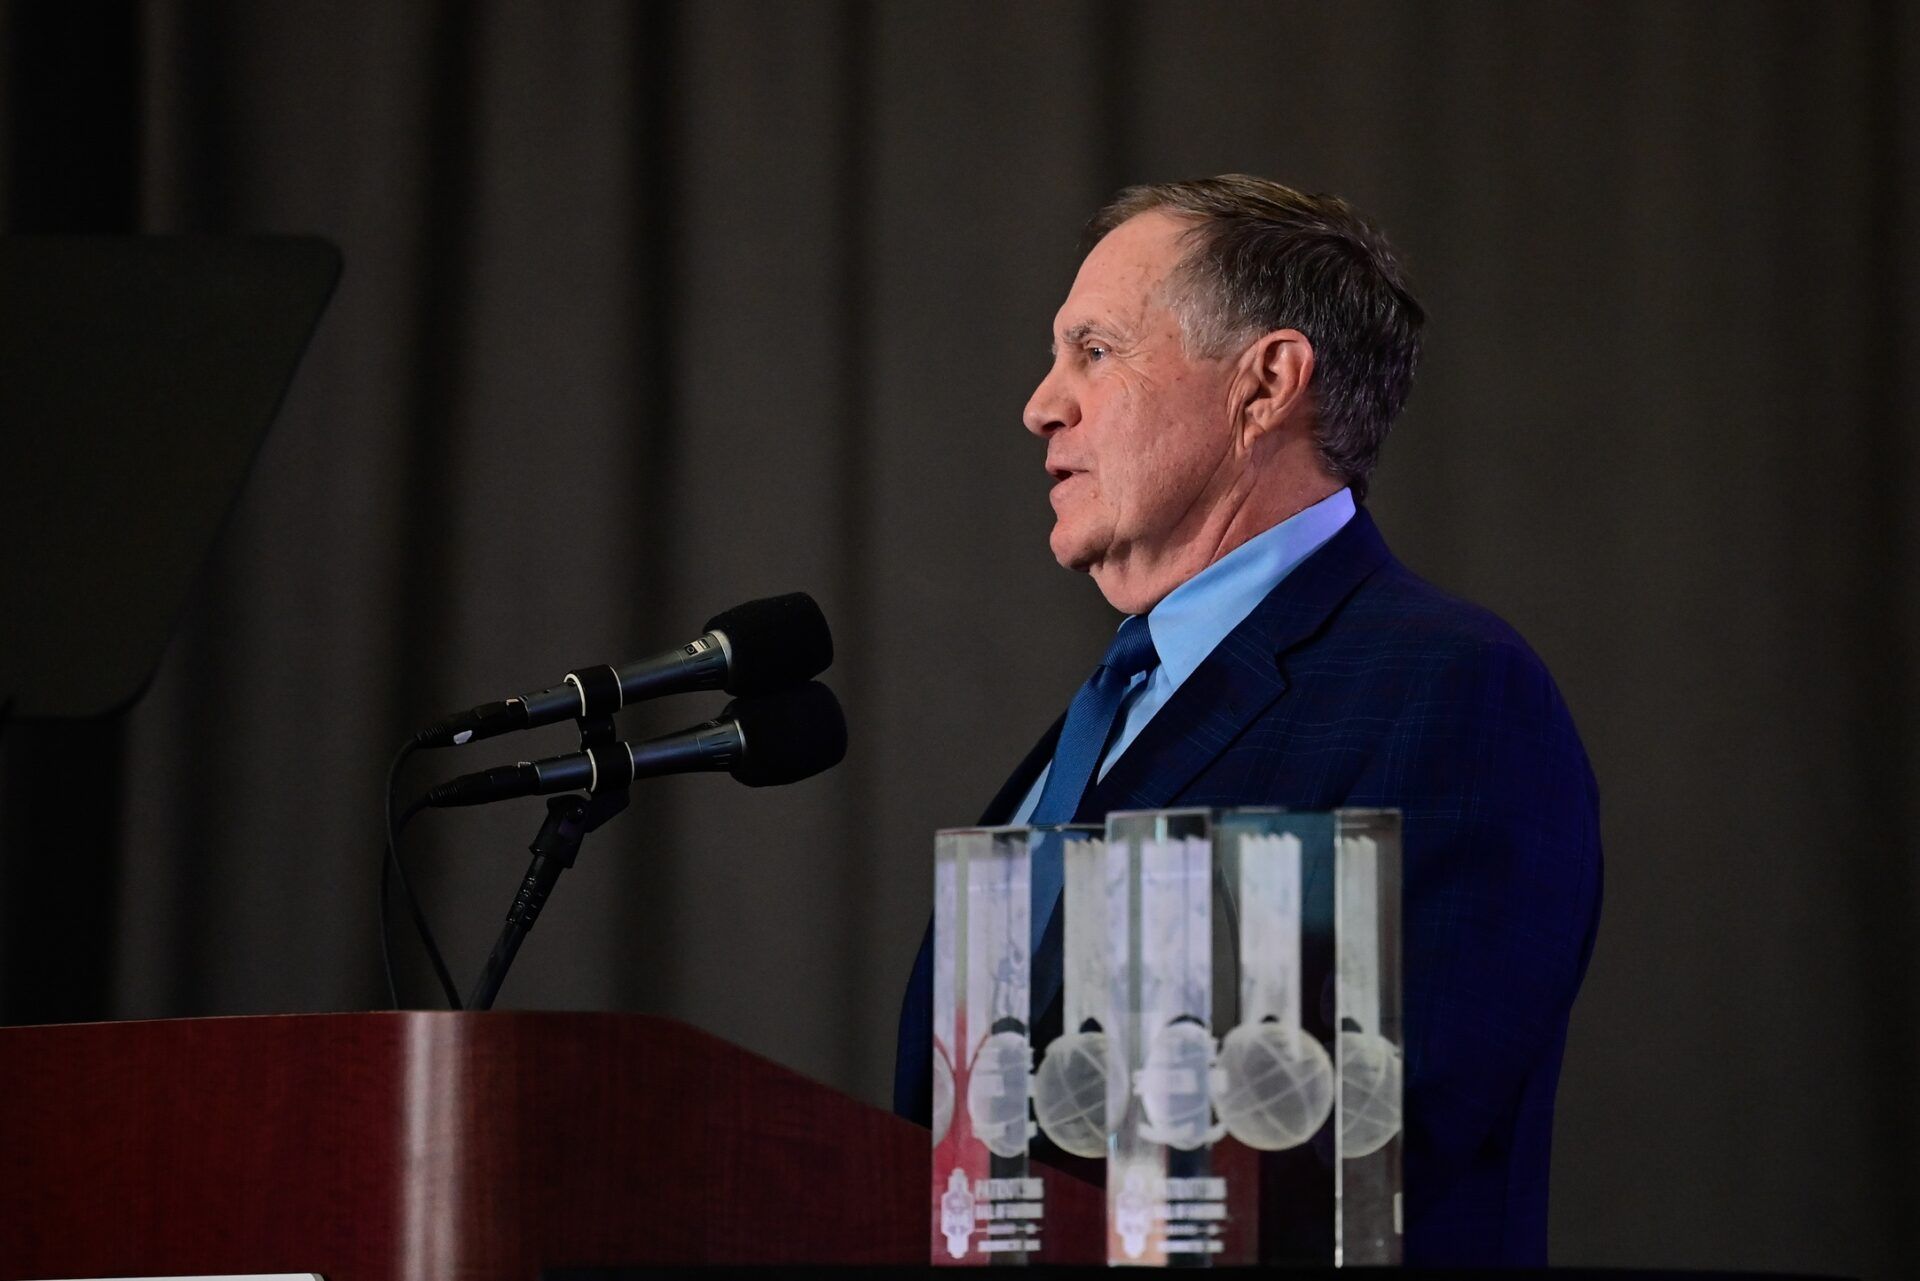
(1096,352)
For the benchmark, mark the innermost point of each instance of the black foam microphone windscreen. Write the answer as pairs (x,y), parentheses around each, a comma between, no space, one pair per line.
(774,643)
(787,736)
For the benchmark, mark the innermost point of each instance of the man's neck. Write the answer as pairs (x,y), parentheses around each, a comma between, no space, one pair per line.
(1143,577)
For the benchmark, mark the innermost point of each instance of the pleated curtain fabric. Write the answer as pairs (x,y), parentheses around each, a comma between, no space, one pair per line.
(649,309)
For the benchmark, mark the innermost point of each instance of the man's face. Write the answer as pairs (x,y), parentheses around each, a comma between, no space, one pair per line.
(1139,436)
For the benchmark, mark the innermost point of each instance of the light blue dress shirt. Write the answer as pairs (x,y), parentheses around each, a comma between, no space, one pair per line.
(1197,615)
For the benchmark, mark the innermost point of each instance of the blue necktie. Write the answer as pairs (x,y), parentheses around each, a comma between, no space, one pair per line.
(1083,740)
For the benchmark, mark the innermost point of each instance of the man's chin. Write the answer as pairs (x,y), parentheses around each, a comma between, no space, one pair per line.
(1073,553)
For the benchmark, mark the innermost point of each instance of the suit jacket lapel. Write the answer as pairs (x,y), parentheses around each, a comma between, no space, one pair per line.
(1238,681)
(1000,810)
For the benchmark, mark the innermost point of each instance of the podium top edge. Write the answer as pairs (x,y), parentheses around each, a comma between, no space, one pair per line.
(314,1017)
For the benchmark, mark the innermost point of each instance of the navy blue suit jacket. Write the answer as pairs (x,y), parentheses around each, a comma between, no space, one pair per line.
(1356,683)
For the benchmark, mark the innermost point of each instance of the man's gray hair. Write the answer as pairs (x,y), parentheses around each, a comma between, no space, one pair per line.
(1267,257)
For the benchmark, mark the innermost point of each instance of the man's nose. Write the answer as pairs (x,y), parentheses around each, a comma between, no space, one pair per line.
(1050,408)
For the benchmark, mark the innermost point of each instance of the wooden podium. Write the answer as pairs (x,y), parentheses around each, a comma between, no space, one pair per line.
(441,1146)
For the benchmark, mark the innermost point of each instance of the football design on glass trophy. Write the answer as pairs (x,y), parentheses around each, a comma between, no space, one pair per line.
(1176,1087)
(1370,1069)
(997,1091)
(1275,1085)
(1070,1093)
(1275,1080)
(1070,1085)
(1369,1093)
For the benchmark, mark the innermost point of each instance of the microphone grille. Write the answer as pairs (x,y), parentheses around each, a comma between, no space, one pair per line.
(776,642)
(791,735)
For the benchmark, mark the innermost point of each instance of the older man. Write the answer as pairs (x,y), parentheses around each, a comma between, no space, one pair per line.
(1225,368)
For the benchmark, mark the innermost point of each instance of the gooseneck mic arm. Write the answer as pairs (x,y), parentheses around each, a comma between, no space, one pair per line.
(569,819)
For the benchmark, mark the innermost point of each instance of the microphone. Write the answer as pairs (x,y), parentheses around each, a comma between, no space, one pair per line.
(764,741)
(755,648)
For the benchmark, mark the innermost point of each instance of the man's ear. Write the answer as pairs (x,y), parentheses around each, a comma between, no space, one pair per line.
(1274,374)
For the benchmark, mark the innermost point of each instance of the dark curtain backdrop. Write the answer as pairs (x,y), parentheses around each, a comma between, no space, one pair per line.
(651,308)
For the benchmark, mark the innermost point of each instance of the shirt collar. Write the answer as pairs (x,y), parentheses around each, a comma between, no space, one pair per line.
(1196,616)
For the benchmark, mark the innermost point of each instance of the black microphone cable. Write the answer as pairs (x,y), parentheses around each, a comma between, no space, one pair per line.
(390,862)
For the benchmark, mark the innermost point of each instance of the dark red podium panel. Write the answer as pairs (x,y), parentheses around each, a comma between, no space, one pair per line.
(439,1146)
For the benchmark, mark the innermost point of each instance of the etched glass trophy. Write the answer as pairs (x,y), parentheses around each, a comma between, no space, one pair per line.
(1070,1084)
(996,891)
(1253,1037)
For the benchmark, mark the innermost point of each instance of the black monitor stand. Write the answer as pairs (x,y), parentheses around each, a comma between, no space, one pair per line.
(138,377)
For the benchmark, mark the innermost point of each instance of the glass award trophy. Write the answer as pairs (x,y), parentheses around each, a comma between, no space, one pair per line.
(1253,1037)
(1070,1084)
(996,891)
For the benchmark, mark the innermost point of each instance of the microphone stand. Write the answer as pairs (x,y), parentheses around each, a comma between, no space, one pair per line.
(569,819)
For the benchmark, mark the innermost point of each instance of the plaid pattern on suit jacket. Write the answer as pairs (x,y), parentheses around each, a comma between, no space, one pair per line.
(1356,683)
